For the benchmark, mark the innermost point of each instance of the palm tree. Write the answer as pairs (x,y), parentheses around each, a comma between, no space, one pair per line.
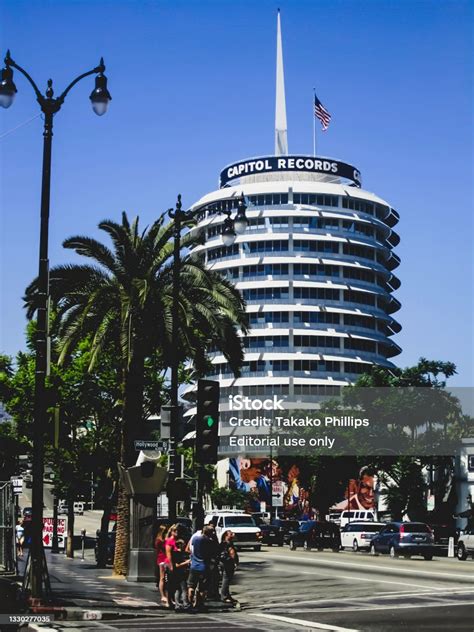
(124,300)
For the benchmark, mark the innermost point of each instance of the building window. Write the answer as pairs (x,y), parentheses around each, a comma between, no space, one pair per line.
(358,251)
(262,270)
(253,342)
(268,199)
(316,341)
(313,269)
(316,317)
(360,345)
(223,251)
(316,293)
(276,245)
(317,365)
(263,294)
(365,322)
(313,199)
(304,245)
(352,296)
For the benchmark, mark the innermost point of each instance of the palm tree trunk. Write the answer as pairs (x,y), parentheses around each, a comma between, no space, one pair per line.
(133,385)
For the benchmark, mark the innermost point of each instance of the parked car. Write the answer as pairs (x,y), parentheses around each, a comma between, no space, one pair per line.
(442,532)
(314,534)
(404,538)
(247,533)
(465,545)
(334,517)
(356,516)
(358,535)
(277,532)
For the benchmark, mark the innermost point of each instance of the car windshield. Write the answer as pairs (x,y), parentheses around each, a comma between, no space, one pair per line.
(240,521)
(415,527)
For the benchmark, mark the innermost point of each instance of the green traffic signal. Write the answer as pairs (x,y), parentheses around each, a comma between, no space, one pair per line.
(210,421)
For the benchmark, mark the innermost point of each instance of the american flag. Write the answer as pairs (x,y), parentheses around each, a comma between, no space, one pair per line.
(321,113)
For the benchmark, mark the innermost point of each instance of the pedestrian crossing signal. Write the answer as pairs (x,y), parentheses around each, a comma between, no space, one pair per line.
(207,422)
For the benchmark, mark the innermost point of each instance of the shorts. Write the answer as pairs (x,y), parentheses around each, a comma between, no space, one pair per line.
(196,578)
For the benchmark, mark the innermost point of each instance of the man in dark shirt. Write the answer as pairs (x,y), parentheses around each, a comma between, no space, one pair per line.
(201,555)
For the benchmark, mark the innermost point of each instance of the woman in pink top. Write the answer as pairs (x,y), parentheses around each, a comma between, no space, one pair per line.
(170,546)
(161,562)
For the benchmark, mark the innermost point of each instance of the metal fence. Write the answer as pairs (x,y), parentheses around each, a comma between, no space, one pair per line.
(7,529)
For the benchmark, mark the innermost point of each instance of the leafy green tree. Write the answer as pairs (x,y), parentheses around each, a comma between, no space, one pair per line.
(124,301)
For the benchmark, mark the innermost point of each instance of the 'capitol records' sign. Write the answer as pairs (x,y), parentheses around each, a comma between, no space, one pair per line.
(273,164)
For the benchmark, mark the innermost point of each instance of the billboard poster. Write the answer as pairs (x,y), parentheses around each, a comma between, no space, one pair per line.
(302,492)
(360,492)
(258,476)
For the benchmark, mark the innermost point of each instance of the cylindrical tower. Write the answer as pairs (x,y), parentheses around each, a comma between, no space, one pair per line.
(315,266)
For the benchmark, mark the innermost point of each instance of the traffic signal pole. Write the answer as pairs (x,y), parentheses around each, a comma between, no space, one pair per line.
(177,215)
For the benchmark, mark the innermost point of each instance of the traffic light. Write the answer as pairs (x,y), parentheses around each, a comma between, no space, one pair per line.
(207,422)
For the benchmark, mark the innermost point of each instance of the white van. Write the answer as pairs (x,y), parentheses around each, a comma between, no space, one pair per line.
(247,534)
(356,515)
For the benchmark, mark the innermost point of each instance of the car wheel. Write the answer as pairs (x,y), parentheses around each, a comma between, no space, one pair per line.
(280,543)
(372,550)
(257,548)
(292,545)
(307,546)
(428,558)
(355,546)
(393,552)
(270,543)
(461,552)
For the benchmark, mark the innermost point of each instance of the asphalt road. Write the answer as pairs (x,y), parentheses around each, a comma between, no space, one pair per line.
(356,591)
(283,590)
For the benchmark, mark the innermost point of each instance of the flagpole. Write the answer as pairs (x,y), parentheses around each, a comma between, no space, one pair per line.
(314,124)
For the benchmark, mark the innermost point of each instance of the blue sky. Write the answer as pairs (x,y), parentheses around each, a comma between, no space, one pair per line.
(193,89)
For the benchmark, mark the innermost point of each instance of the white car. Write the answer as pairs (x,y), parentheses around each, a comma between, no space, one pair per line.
(247,534)
(465,545)
(358,535)
(356,515)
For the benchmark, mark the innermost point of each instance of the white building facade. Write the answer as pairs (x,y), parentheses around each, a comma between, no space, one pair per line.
(316,268)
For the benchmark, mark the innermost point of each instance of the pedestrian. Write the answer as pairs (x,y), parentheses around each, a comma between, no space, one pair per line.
(181,562)
(214,575)
(228,561)
(201,552)
(161,563)
(20,537)
(170,546)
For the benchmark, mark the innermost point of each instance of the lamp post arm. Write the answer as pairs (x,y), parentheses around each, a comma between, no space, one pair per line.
(94,71)
(9,62)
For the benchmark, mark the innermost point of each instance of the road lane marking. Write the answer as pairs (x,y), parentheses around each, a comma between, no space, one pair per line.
(305,624)
(378,568)
(366,579)
(435,604)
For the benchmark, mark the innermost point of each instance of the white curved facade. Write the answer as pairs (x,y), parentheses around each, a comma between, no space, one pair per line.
(316,268)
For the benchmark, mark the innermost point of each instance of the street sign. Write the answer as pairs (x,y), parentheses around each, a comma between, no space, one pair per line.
(17,484)
(48,532)
(143,444)
(277,494)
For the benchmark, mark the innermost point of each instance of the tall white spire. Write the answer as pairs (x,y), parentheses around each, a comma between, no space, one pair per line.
(281,138)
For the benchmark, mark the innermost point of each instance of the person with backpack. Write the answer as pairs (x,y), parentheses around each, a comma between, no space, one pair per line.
(181,562)
(228,561)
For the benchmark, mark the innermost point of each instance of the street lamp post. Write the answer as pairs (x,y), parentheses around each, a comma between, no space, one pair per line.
(231,227)
(49,105)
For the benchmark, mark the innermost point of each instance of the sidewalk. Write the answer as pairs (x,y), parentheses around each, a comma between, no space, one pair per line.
(85,591)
